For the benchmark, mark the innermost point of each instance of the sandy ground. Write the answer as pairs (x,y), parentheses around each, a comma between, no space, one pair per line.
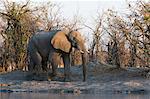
(101,79)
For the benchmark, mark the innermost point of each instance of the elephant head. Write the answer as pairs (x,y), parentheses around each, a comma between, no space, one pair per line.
(65,41)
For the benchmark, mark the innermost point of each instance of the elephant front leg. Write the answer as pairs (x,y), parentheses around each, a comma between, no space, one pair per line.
(67,64)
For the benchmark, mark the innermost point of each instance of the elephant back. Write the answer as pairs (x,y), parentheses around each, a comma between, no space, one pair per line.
(41,40)
(44,34)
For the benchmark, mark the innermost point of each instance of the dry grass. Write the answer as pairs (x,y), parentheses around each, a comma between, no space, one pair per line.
(105,68)
(2,69)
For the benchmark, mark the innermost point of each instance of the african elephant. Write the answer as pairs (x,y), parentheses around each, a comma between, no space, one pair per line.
(44,45)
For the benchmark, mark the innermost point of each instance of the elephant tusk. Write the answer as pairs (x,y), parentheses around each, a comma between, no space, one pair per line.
(87,51)
(82,52)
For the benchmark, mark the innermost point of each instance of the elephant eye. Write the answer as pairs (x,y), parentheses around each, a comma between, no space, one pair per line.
(74,42)
(73,38)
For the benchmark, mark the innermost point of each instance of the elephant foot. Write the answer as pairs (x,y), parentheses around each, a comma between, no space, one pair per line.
(45,69)
(38,69)
(52,74)
(56,77)
(67,79)
(37,73)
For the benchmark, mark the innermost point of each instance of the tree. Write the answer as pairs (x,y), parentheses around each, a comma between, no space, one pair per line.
(116,38)
(133,30)
(95,48)
(21,22)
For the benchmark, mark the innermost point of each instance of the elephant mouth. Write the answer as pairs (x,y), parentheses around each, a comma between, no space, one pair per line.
(80,50)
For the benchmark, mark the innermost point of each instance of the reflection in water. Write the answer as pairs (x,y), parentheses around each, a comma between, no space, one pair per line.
(70,96)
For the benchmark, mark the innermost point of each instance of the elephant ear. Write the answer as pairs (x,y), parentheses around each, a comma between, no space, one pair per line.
(60,41)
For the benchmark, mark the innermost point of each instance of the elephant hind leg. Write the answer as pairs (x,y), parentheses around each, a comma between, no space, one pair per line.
(44,66)
(37,61)
(31,65)
(53,61)
(54,68)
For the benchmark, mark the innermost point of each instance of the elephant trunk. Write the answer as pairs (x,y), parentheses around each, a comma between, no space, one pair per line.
(84,65)
(84,60)
(81,47)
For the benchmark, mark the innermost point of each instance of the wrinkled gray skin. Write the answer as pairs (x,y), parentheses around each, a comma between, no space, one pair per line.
(41,51)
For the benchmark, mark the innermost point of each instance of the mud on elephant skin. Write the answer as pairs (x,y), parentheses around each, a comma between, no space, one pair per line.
(43,45)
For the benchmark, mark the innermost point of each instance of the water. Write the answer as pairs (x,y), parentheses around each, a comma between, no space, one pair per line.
(19,95)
